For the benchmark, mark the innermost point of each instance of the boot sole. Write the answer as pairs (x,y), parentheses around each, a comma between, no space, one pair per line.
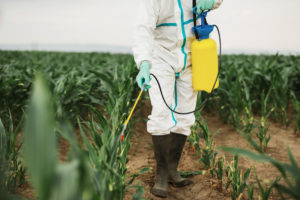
(181,184)
(159,193)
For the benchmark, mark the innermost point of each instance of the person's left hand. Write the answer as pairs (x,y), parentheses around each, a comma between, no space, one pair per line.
(144,75)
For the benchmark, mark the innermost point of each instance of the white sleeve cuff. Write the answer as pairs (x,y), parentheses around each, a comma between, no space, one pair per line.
(217,4)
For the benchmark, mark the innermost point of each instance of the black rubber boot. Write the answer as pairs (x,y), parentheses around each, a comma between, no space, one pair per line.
(161,149)
(176,145)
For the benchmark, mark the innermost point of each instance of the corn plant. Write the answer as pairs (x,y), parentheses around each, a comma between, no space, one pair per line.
(4,194)
(230,103)
(69,75)
(106,151)
(12,162)
(259,73)
(263,126)
(139,191)
(218,170)
(4,167)
(99,173)
(265,192)
(236,178)
(289,171)
(280,96)
(296,105)
(194,138)
(250,191)
(235,119)
(248,121)
(208,153)
(248,118)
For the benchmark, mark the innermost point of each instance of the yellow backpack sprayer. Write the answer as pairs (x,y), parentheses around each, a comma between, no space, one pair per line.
(205,64)
(204,57)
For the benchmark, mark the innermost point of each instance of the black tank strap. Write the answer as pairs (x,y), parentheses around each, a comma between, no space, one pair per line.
(195,19)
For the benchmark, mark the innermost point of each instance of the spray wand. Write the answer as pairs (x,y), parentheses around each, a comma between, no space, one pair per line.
(131,112)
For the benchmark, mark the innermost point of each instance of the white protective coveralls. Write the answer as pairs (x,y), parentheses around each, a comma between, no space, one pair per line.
(163,37)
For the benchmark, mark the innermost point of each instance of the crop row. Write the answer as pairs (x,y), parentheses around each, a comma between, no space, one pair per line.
(91,93)
(230,176)
(74,93)
(258,85)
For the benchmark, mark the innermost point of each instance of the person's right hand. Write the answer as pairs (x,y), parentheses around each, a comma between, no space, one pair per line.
(204,5)
(144,75)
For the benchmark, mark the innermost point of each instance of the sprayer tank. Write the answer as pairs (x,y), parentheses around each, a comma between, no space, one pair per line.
(204,65)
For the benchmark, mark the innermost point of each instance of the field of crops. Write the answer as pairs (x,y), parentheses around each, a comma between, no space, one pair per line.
(61,115)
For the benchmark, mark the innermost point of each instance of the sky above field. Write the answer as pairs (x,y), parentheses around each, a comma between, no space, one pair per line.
(246,25)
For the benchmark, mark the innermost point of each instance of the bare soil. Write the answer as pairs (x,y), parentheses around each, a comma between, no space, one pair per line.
(204,186)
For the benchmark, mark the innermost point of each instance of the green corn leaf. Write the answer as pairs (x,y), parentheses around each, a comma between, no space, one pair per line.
(290,191)
(91,150)
(261,188)
(268,192)
(249,154)
(241,189)
(250,191)
(246,174)
(293,162)
(282,167)
(191,173)
(67,182)
(135,175)
(144,170)
(138,195)
(2,136)
(251,141)
(228,184)
(40,140)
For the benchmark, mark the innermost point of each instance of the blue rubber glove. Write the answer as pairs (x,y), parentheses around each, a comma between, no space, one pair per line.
(204,5)
(144,75)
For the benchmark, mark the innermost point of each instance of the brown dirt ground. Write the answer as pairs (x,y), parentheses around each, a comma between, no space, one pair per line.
(204,186)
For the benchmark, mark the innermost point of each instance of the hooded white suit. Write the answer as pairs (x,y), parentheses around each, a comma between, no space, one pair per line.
(163,37)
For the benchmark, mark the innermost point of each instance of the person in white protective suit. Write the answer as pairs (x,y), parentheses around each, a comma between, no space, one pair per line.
(162,40)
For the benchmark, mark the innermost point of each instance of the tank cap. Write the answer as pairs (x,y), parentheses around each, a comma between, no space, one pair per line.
(204,29)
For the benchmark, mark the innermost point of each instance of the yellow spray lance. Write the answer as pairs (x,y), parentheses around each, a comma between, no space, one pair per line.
(131,112)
